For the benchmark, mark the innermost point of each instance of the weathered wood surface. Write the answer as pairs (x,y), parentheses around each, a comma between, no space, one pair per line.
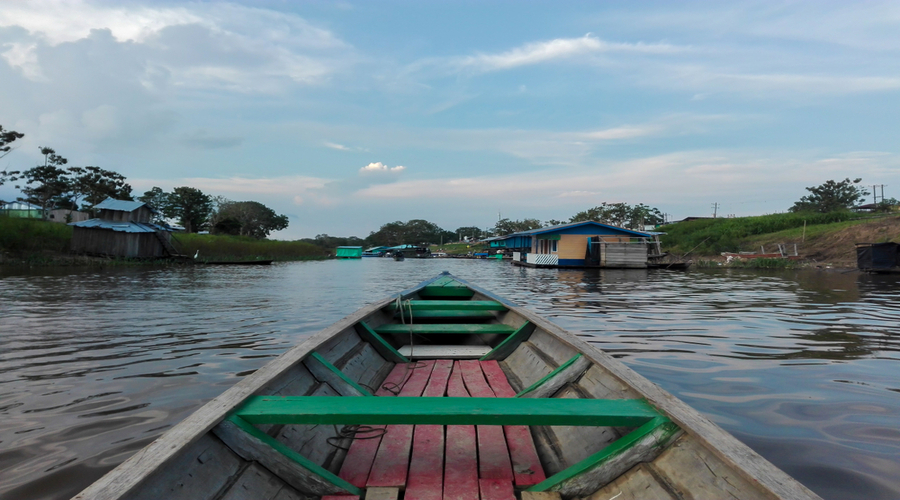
(311,441)
(157,458)
(543,495)
(642,445)
(205,468)
(252,448)
(392,460)
(636,484)
(694,472)
(525,366)
(426,469)
(461,453)
(510,343)
(382,494)
(734,454)
(358,462)
(493,453)
(257,483)
(444,351)
(323,370)
(555,380)
(496,489)
(526,465)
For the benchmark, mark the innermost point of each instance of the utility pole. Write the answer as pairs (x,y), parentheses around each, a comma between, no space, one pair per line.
(715,209)
(874,196)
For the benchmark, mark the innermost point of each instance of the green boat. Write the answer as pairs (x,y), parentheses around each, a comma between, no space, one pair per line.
(445,391)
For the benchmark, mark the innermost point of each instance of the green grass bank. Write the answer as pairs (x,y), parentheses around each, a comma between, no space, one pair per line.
(37,243)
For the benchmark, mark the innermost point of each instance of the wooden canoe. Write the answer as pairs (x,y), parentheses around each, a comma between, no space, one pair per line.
(445,391)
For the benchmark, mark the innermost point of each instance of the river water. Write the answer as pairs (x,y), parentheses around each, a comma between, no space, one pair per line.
(802,366)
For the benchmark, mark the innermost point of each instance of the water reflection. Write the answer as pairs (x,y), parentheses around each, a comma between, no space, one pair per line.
(800,365)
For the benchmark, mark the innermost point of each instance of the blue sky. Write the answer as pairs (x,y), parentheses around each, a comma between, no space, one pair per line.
(348,115)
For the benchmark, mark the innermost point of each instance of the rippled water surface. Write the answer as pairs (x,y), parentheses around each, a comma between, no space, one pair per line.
(803,367)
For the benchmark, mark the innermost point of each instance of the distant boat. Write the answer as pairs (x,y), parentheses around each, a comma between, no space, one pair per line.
(238,262)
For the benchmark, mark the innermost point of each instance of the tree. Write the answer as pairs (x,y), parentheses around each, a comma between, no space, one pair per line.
(46,183)
(831,197)
(7,137)
(156,198)
(189,206)
(414,232)
(506,226)
(621,215)
(246,218)
(92,185)
(471,232)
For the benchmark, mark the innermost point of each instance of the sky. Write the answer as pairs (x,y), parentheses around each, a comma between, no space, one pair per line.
(346,115)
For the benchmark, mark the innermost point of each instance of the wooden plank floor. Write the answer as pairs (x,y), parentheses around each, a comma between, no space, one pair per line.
(433,462)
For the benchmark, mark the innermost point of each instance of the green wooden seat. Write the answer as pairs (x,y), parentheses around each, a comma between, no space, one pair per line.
(447,314)
(443,328)
(433,291)
(452,305)
(446,411)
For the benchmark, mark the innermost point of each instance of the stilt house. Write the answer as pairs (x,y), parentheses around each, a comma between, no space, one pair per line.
(579,244)
(123,229)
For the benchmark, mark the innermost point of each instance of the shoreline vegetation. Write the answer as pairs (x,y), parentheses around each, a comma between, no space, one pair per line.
(36,243)
(822,241)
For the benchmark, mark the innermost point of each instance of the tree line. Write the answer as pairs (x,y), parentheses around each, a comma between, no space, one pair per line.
(54,185)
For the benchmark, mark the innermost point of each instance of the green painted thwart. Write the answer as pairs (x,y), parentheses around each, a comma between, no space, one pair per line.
(446,411)
(386,350)
(612,451)
(453,305)
(340,374)
(447,314)
(510,343)
(436,328)
(293,455)
(549,376)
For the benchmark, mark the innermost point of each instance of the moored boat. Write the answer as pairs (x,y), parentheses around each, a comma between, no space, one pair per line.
(494,402)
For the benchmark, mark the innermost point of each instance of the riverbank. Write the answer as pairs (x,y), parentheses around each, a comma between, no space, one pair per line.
(35,243)
(821,240)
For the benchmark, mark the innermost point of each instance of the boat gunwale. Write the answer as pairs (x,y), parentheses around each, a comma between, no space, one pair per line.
(736,455)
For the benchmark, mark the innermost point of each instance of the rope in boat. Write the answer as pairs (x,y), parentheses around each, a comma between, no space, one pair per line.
(353,432)
(391,387)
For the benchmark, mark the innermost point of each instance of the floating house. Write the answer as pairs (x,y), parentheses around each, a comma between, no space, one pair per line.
(123,229)
(409,251)
(579,244)
(374,252)
(878,257)
(22,210)
(348,252)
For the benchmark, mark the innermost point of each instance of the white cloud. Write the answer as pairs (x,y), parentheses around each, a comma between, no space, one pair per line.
(557,49)
(339,147)
(380,167)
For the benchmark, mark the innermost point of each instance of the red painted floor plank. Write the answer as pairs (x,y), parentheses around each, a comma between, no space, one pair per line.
(340,497)
(461,457)
(496,489)
(493,454)
(392,460)
(426,467)
(526,465)
(358,462)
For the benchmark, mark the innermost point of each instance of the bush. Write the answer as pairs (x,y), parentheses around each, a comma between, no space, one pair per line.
(714,236)
(19,237)
(222,247)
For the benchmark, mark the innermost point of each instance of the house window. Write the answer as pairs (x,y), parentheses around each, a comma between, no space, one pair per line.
(553,245)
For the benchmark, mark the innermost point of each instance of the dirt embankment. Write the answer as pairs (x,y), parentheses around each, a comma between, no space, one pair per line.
(838,248)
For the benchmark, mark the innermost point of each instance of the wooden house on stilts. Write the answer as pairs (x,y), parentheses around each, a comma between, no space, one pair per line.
(579,244)
(123,229)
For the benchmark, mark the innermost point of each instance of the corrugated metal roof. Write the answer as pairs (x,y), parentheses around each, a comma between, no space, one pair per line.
(122,205)
(574,224)
(124,227)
